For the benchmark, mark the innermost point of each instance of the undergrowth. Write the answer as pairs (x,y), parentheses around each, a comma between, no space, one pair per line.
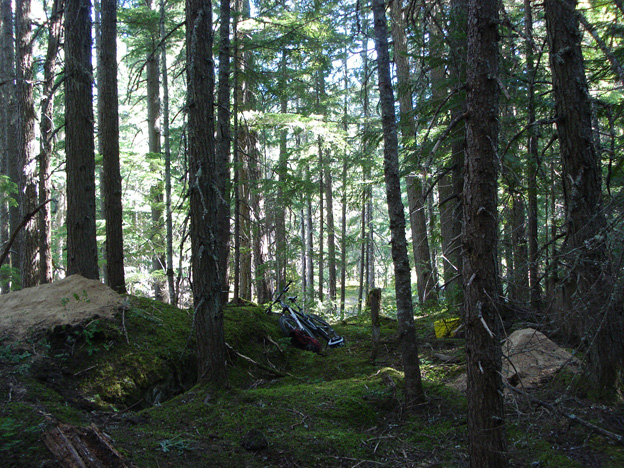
(134,378)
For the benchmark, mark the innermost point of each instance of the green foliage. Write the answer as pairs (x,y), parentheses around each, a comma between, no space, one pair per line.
(11,431)
(8,190)
(177,443)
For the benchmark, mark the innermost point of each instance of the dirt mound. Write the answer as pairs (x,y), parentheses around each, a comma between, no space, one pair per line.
(69,301)
(529,358)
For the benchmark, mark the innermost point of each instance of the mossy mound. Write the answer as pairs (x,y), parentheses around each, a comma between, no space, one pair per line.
(134,378)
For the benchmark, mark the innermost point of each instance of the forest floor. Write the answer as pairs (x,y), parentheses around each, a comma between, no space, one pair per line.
(124,375)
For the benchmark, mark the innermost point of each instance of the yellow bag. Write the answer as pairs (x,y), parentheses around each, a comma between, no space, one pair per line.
(446,327)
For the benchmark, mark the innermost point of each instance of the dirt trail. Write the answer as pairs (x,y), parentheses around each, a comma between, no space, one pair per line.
(69,301)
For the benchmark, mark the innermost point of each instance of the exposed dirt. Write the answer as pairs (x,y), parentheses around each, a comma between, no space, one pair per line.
(529,359)
(28,313)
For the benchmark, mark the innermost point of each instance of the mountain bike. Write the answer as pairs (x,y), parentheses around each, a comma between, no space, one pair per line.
(294,319)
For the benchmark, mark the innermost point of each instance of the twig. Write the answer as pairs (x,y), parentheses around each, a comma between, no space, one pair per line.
(85,370)
(20,226)
(123,325)
(255,363)
(604,432)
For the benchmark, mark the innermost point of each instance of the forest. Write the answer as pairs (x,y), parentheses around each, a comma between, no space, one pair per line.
(464,156)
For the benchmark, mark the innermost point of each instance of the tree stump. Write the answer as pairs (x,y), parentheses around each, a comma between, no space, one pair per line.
(373,302)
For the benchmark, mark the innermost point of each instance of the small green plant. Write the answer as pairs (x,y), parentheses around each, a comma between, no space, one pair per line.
(7,353)
(10,429)
(79,298)
(176,443)
(89,333)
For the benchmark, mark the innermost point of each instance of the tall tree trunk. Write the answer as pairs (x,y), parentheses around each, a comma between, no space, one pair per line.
(402,276)
(46,130)
(450,262)
(331,235)
(167,141)
(159,262)
(458,25)
(533,162)
(321,228)
(27,157)
(486,429)
(370,240)
(208,271)
(82,253)
(407,124)
(309,248)
(223,141)
(6,129)
(588,297)
(108,124)
(520,274)
(240,189)
(363,250)
(365,266)
(304,263)
(258,231)
(10,115)
(343,224)
(252,232)
(280,208)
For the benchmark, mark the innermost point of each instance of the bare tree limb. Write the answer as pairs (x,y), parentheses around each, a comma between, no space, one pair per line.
(604,432)
(27,218)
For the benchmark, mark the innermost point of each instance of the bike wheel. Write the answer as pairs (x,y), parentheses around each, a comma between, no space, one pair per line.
(326,330)
(288,324)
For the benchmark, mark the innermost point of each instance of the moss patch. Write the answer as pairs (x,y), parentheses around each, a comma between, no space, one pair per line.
(134,378)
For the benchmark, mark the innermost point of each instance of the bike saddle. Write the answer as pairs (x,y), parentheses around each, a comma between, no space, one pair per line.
(292,298)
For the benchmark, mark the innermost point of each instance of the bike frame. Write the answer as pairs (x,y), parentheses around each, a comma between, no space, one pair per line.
(306,322)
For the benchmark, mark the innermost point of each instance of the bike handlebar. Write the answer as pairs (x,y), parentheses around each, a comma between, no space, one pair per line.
(279,297)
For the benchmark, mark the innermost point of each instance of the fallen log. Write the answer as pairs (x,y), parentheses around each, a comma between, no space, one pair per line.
(75,447)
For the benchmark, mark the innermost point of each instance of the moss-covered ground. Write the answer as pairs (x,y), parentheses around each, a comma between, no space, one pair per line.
(134,379)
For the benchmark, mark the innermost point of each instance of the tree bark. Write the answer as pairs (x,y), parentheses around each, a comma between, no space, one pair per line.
(309,248)
(167,141)
(45,130)
(402,276)
(343,224)
(331,236)
(223,142)
(27,157)
(208,271)
(457,43)
(6,24)
(82,254)
(321,228)
(9,113)
(486,429)
(588,297)
(108,125)
(533,162)
(373,303)
(280,206)
(418,218)
(159,262)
